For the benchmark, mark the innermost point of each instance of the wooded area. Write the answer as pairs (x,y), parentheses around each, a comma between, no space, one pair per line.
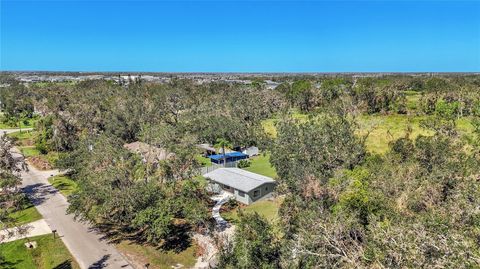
(415,204)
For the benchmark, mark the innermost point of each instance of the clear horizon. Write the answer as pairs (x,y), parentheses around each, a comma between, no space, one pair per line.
(240,37)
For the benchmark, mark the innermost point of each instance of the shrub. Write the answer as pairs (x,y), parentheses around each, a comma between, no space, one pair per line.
(243,163)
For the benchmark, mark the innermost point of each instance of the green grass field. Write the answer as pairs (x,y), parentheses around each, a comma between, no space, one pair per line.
(261,165)
(50,254)
(383,128)
(64,184)
(28,214)
(265,208)
(159,259)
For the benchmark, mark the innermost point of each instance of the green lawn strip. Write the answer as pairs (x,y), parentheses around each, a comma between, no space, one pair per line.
(265,208)
(158,258)
(29,151)
(64,184)
(26,215)
(50,253)
(51,157)
(261,165)
(23,138)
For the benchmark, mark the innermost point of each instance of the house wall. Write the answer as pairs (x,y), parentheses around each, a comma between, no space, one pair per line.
(265,191)
(262,192)
(245,198)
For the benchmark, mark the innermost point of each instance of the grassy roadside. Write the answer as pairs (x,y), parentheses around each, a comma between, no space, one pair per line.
(64,184)
(158,258)
(26,215)
(28,123)
(50,253)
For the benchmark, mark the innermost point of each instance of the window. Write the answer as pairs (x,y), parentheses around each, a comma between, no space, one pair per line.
(256,193)
(266,188)
(241,194)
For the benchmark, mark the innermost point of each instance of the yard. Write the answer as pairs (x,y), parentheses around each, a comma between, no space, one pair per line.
(50,253)
(261,165)
(27,214)
(64,184)
(23,138)
(265,208)
(158,258)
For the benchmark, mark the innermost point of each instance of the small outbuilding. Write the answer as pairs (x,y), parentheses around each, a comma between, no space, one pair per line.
(247,187)
(251,151)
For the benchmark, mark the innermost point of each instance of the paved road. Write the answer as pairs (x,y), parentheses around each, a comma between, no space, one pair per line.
(85,244)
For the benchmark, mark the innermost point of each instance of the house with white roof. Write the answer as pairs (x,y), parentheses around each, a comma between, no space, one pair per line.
(247,187)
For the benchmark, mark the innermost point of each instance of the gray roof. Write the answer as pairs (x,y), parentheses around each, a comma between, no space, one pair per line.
(238,178)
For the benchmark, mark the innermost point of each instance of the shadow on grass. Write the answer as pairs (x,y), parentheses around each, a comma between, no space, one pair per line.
(64,265)
(9,264)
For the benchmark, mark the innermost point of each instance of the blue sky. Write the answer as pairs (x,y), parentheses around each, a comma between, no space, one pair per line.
(234,36)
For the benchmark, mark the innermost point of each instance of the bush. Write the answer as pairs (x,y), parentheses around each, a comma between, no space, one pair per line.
(243,163)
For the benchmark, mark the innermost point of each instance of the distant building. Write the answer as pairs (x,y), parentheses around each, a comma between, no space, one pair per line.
(247,187)
(251,151)
(229,157)
(210,150)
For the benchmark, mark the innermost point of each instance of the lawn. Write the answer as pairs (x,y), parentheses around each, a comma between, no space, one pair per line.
(64,184)
(50,253)
(265,208)
(29,151)
(261,165)
(28,214)
(23,138)
(158,258)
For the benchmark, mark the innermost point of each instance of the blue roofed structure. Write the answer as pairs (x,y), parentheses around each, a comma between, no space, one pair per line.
(230,157)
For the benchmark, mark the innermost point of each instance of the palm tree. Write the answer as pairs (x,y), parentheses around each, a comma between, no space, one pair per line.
(223,143)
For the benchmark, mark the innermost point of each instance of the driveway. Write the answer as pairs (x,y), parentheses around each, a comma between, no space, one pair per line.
(221,199)
(85,244)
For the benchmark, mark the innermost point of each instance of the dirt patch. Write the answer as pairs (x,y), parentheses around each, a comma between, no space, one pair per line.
(39,163)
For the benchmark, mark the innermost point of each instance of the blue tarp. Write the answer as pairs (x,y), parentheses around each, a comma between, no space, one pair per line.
(231,157)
